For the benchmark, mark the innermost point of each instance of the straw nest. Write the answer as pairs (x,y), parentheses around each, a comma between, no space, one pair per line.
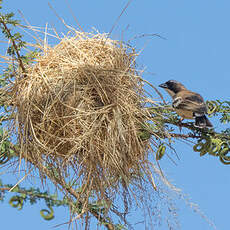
(78,107)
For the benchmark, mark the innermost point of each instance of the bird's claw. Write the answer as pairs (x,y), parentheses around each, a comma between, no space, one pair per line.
(180,124)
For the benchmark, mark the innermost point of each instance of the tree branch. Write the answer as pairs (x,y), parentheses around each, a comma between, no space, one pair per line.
(19,58)
(178,135)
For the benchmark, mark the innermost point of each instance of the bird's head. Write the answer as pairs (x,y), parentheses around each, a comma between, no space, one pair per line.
(172,87)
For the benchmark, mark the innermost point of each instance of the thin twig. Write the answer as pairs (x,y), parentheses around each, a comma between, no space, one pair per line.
(14,45)
(178,135)
(118,18)
(98,216)
(70,9)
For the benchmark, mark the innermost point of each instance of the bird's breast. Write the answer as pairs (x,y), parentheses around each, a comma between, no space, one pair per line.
(185,113)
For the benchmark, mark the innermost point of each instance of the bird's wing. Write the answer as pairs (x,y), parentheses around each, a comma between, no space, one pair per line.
(190,101)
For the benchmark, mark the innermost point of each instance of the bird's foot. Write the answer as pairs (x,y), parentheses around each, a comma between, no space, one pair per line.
(180,124)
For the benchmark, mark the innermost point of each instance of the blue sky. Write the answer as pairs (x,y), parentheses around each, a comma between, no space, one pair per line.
(196,52)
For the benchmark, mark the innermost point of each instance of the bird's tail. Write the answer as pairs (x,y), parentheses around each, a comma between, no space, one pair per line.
(202,122)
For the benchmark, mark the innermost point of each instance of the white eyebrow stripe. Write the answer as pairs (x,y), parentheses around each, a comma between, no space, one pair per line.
(177,98)
(177,101)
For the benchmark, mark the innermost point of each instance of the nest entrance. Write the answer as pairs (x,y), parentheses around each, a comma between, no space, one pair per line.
(79,107)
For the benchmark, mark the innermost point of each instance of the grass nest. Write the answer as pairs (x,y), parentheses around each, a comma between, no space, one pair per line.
(79,113)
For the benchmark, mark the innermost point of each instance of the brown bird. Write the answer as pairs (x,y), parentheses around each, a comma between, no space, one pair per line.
(187,104)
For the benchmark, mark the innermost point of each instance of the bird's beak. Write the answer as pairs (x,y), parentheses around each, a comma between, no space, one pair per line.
(163,85)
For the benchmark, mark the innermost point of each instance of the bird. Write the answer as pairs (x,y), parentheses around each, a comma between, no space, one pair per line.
(187,104)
